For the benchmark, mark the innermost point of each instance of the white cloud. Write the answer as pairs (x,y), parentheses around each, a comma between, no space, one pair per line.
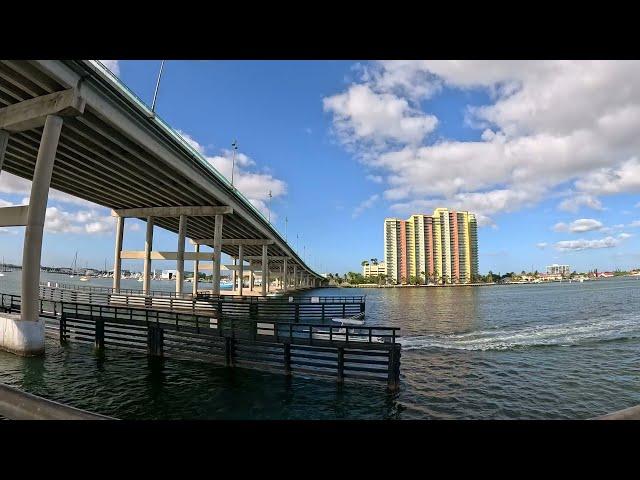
(253,185)
(364,205)
(360,114)
(112,65)
(624,236)
(574,203)
(634,224)
(13,184)
(541,245)
(374,178)
(81,222)
(576,245)
(579,226)
(548,124)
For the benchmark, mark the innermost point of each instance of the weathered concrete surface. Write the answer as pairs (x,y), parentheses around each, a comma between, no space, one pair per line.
(18,405)
(22,337)
(32,113)
(631,413)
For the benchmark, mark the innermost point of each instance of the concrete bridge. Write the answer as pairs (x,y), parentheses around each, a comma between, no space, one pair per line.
(73,126)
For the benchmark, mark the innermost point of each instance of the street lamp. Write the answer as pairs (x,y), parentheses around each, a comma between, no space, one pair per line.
(234,146)
(155,94)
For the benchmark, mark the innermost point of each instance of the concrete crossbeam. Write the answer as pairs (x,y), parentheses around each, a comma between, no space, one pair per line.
(140,255)
(14,216)
(32,113)
(193,211)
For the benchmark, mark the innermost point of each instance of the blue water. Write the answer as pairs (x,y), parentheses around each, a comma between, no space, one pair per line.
(522,351)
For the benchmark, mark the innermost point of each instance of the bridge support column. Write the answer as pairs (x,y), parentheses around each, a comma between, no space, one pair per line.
(24,335)
(182,233)
(285,278)
(148,246)
(234,276)
(295,276)
(196,265)
(117,262)
(217,254)
(251,276)
(265,271)
(240,269)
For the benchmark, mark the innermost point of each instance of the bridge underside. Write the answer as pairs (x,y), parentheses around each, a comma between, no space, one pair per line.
(105,146)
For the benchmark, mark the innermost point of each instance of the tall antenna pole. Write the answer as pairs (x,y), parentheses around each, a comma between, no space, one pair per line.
(155,94)
(285,228)
(269,209)
(234,146)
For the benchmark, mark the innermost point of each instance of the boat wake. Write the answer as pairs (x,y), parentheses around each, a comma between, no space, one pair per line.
(566,334)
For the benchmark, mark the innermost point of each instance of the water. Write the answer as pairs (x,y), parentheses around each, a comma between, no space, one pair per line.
(522,351)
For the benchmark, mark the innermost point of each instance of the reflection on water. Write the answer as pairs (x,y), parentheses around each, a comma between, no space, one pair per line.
(522,351)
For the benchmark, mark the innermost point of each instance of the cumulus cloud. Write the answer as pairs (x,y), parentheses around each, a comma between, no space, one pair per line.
(574,203)
(541,245)
(374,178)
(252,184)
(579,226)
(576,245)
(112,65)
(634,224)
(81,222)
(548,125)
(13,184)
(361,114)
(364,205)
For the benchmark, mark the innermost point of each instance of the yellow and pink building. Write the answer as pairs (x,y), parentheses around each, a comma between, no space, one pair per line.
(437,248)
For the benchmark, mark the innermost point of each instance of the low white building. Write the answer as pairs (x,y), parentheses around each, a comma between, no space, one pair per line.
(373,270)
(556,269)
(168,274)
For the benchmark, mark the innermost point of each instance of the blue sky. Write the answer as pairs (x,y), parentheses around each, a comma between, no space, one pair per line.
(553,177)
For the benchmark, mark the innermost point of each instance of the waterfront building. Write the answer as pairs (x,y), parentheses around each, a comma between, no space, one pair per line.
(168,274)
(374,269)
(437,248)
(556,269)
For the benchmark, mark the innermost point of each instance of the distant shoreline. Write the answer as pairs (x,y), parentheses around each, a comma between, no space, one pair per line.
(487,284)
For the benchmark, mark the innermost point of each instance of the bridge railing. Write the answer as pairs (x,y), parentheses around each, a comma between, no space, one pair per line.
(291,309)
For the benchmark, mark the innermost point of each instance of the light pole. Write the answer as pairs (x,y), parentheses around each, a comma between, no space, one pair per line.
(269,209)
(234,146)
(155,94)
(285,228)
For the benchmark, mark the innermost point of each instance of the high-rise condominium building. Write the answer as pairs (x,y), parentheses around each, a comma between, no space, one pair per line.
(556,269)
(442,247)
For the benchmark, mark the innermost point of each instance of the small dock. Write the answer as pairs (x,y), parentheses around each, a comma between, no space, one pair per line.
(272,333)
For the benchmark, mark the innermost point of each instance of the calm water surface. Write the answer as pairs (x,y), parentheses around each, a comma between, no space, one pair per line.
(562,350)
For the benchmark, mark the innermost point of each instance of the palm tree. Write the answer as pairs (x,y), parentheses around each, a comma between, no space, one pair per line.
(364,262)
(374,261)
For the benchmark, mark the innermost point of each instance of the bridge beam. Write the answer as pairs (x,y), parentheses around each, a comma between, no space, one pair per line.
(193,211)
(4,140)
(34,112)
(236,241)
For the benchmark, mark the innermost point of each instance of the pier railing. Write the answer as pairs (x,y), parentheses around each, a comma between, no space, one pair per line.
(275,308)
(352,352)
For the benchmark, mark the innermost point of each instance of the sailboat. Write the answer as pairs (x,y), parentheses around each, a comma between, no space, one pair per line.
(85,278)
(73,266)
(3,268)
